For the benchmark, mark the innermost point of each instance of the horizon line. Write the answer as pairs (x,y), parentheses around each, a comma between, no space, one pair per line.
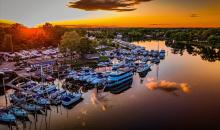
(10,22)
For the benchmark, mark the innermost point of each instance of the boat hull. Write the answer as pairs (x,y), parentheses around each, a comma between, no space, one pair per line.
(119,82)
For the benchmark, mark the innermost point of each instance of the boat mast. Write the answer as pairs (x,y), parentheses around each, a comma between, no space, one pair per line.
(42,74)
(158,46)
(3,82)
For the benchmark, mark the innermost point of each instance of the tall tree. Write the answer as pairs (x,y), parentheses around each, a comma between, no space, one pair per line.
(70,42)
(85,46)
(7,44)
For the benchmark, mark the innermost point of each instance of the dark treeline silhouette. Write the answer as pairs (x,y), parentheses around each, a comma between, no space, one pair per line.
(17,37)
(200,35)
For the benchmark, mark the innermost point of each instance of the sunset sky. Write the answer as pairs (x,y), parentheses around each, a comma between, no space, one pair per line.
(123,13)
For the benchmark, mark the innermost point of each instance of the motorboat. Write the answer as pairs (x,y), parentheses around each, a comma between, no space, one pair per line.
(118,77)
(98,80)
(143,68)
(70,98)
(43,101)
(17,97)
(32,107)
(44,89)
(7,117)
(18,112)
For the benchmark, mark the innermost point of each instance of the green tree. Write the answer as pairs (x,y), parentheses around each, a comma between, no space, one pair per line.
(214,39)
(85,46)
(7,44)
(69,43)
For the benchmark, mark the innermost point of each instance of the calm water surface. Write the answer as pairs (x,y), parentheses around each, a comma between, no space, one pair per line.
(183,91)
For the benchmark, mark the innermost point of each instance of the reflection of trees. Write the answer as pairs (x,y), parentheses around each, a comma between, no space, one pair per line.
(176,48)
(207,53)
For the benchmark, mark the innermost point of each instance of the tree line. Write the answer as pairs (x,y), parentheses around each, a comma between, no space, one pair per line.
(17,37)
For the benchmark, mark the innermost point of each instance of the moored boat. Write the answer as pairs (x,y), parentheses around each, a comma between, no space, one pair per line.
(7,117)
(143,68)
(43,101)
(118,77)
(32,107)
(18,112)
(70,98)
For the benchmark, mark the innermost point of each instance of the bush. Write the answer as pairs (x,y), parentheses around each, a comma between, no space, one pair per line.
(103,58)
(214,39)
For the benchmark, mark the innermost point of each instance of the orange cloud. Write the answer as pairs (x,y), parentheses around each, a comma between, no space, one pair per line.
(169,86)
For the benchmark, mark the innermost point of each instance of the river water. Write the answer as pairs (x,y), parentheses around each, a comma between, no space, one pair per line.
(183,91)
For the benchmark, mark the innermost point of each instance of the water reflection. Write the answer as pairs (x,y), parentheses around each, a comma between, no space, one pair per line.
(100,100)
(207,53)
(197,109)
(168,86)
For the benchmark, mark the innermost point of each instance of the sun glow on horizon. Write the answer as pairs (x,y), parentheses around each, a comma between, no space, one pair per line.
(110,13)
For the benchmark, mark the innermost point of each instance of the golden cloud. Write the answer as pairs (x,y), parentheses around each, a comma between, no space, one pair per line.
(168,86)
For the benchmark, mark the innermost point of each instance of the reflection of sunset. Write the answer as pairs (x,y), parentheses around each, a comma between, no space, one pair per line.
(99,101)
(185,87)
(168,86)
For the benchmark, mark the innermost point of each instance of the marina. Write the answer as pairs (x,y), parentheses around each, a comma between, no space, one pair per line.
(109,65)
(86,96)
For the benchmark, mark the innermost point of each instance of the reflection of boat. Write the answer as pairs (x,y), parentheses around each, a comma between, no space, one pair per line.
(116,66)
(144,74)
(121,88)
(70,99)
(118,77)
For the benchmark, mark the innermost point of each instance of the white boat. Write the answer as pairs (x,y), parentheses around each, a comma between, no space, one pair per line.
(145,59)
(155,60)
(162,51)
(162,54)
(117,66)
(7,117)
(57,93)
(17,97)
(91,78)
(98,80)
(32,107)
(118,77)
(19,112)
(70,98)
(143,68)
(43,101)
(44,89)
